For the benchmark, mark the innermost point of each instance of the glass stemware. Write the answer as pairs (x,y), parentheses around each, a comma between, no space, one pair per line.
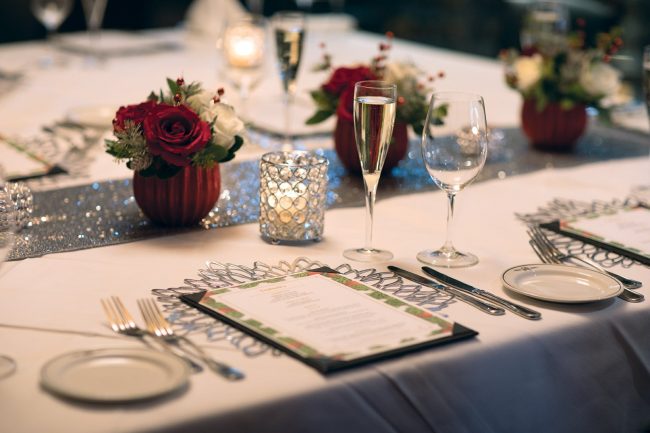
(374,118)
(545,25)
(244,51)
(8,226)
(94,14)
(289,33)
(50,13)
(454,149)
(646,77)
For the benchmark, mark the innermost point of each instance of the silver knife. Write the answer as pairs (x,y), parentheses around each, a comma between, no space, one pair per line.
(483,306)
(515,308)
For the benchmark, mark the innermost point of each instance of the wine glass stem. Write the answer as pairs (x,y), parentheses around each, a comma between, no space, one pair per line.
(371,192)
(448,246)
(287,144)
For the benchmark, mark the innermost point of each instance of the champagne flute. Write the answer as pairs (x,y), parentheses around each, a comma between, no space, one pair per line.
(8,226)
(454,149)
(50,13)
(374,117)
(289,31)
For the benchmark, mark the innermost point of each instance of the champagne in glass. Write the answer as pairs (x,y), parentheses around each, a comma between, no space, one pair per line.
(50,13)
(374,117)
(454,149)
(8,226)
(289,33)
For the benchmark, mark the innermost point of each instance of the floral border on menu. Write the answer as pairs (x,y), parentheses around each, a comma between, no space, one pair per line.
(210,299)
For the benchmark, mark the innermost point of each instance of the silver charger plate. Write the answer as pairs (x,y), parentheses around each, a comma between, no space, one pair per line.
(114,375)
(561,283)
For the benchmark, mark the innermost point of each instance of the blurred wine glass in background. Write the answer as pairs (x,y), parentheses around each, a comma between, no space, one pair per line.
(545,26)
(94,13)
(51,13)
(243,49)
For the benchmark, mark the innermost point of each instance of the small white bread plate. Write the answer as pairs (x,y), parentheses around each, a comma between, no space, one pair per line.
(114,375)
(92,116)
(561,283)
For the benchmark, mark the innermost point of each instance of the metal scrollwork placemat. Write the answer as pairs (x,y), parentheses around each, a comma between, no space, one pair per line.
(189,321)
(560,209)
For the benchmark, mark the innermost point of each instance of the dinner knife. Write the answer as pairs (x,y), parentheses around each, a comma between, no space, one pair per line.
(477,303)
(515,308)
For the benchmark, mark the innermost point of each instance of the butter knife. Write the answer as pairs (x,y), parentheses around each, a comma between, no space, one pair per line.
(515,308)
(474,302)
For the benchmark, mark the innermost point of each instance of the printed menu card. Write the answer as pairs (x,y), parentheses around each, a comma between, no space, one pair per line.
(326,319)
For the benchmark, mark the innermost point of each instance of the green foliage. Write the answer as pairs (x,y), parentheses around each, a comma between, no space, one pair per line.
(325,106)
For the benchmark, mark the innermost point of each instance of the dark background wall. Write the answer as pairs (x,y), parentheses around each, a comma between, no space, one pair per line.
(476,26)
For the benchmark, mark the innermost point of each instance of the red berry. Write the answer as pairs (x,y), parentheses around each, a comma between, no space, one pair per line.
(216,99)
(177,98)
(618,41)
(220,91)
(390,35)
(607,58)
(441,74)
(180,81)
(400,100)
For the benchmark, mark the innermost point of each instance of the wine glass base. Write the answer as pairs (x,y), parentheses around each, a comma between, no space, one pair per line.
(367,255)
(7,366)
(446,259)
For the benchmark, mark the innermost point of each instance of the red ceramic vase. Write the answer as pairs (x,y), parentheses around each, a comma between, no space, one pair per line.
(346,147)
(554,128)
(182,200)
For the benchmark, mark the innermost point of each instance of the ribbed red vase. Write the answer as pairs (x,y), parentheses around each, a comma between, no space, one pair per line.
(182,200)
(553,128)
(346,147)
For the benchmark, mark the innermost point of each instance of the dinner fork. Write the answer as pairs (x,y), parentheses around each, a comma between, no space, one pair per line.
(160,327)
(535,232)
(122,322)
(548,253)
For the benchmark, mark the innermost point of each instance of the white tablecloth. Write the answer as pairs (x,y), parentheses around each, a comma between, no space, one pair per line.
(582,368)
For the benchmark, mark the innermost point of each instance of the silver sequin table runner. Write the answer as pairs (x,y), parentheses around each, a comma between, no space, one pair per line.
(105,213)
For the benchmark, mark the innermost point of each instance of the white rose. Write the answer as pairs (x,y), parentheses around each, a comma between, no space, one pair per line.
(528,71)
(398,71)
(600,79)
(226,123)
(200,101)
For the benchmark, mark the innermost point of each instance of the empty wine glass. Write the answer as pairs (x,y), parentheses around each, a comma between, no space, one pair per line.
(243,49)
(50,13)
(8,226)
(454,149)
(289,33)
(374,117)
(94,13)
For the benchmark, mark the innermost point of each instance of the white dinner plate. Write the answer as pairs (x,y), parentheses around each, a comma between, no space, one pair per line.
(114,375)
(92,116)
(561,283)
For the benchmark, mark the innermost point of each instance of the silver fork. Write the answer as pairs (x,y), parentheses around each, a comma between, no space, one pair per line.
(122,322)
(548,253)
(158,325)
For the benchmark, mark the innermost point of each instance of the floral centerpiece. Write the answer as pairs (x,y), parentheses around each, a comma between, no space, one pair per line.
(558,81)
(174,143)
(336,96)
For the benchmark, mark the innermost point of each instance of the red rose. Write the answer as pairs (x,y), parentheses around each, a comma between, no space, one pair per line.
(346,103)
(342,78)
(175,133)
(135,113)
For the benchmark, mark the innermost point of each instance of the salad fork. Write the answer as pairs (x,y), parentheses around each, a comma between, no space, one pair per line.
(548,253)
(122,322)
(158,326)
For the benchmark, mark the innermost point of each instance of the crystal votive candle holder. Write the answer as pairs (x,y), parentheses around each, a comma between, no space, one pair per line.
(293,190)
